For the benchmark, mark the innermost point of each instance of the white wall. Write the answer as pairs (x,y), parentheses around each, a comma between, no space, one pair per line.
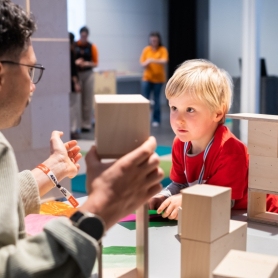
(120,29)
(225,35)
(225,20)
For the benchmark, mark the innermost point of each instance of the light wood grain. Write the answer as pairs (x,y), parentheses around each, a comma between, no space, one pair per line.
(122,124)
(245,265)
(199,259)
(263,138)
(206,212)
(263,173)
(253,117)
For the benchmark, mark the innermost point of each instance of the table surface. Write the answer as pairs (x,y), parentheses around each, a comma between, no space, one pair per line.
(164,248)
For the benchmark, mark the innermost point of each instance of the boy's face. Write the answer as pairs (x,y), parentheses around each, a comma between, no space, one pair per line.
(192,120)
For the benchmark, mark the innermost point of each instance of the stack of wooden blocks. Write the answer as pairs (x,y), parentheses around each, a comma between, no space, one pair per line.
(263,164)
(207,233)
(123,124)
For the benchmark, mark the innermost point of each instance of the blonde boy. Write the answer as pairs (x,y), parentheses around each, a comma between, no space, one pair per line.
(204,150)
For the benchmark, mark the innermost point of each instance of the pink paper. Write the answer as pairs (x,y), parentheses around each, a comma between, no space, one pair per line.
(34,223)
(129,218)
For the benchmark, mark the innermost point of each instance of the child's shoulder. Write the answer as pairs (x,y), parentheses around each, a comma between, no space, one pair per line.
(228,142)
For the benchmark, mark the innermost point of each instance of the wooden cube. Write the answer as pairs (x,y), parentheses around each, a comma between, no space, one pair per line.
(206,211)
(263,173)
(246,265)
(122,124)
(199,259)
(263,138)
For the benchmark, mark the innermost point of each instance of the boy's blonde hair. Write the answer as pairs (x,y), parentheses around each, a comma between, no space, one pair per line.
(205,82)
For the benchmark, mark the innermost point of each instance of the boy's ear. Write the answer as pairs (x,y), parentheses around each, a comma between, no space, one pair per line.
(218,116)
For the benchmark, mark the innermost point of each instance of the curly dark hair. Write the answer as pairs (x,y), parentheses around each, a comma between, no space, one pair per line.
(16,28)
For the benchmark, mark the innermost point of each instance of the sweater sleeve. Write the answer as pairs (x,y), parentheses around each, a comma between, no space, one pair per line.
(29,192)
(61,250)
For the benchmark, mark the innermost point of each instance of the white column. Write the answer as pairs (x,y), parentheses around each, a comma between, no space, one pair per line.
(250,70)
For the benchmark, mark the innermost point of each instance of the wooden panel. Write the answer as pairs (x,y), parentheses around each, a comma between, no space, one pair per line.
(256,203)
(142,224)
(246,265)
(122,124)
(253,117)
(105,82)
(199,259)
(263,138)
(206,212)
(263,173)
(179,220)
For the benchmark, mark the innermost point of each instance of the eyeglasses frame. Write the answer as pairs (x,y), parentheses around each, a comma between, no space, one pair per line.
(36,66)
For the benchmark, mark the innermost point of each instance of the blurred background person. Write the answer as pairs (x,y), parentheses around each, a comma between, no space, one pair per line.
(75,94)
(153,60)
(86,55)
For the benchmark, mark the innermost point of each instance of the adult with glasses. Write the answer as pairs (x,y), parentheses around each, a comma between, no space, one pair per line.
(66,247)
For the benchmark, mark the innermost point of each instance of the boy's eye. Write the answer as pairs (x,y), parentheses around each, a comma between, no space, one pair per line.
(190,110)
(173,108)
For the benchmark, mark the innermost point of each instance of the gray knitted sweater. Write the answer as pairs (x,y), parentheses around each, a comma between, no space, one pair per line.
(61,250)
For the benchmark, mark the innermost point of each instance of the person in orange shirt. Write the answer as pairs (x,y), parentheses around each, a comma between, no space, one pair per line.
(153,60)
(86,59)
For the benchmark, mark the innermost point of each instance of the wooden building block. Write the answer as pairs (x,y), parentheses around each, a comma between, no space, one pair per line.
(253,117)
(199,259)
(241,264)
(122,124)
(142,243)
(263,138)
(256,210)
(206,212)
(120,273)
(179,220)
(263,173)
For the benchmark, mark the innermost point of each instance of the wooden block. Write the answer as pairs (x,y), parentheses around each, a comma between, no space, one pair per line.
(263,138)
(179,220)
(256,203)
(199,259)
(263,173)
(253,117)
(206,212)
(105,82)
(245,265)
(142,258)
(122,124)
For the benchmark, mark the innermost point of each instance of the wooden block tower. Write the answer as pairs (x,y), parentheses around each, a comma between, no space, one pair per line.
(122,124)
(263,164)
(245,264)
(207,233)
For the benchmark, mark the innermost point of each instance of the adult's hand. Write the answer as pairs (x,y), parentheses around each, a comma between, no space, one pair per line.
(118,189)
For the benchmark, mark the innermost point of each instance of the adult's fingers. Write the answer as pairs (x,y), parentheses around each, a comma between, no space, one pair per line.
(70,144)
(142,153)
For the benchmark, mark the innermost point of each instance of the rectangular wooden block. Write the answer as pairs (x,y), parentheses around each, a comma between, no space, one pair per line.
(122,124)
(120,273)
(206,212)
(263,138)
(179,220)
(246,265)
(199,259)
(256,203)
(263,173)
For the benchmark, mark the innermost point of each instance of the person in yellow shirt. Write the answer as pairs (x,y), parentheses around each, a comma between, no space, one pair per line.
(153,59)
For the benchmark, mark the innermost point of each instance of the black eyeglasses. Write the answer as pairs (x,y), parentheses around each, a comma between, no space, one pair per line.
(35,71)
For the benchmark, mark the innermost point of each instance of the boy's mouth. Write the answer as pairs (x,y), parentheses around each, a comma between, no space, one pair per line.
(182,130)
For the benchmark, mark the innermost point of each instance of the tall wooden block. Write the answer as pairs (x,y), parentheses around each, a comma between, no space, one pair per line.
(206,212)
(263,173)
(122,124)
(199,259)
(263,138)
(245,265)
(256,203)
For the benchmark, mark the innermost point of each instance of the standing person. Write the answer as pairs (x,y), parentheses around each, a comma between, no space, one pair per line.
(153,60)
(86,59)
(75,93)
(66,247)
